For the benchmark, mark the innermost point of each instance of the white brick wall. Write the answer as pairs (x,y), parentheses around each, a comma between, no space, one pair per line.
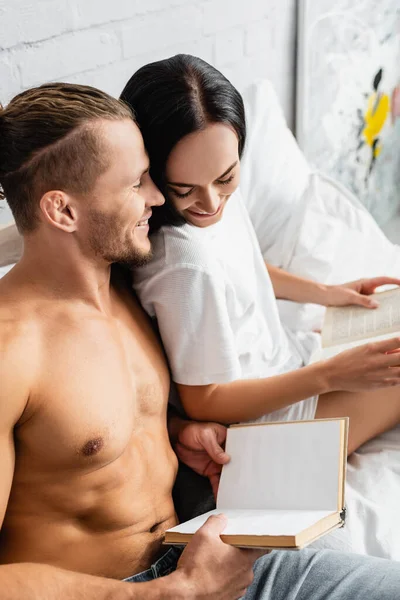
(102,42)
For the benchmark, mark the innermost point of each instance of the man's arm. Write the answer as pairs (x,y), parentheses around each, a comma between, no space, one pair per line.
(14,395)
(43,582)
(208,568)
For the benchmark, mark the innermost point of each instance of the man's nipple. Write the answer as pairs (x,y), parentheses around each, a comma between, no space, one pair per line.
(93,446)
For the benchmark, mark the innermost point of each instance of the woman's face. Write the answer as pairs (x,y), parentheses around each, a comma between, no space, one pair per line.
(202,172)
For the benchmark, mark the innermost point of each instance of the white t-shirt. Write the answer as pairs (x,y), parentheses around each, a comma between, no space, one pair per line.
(213,299)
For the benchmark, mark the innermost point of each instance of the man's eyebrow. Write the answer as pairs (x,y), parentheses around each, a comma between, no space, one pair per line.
(146,170)
(193,184)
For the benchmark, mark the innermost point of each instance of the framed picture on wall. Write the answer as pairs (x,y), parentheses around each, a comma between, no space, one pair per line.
(348,96)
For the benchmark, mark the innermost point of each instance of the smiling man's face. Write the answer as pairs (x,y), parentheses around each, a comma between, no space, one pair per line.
(116,215)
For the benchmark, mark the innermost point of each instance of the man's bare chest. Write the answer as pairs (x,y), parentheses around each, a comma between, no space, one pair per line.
(102,385)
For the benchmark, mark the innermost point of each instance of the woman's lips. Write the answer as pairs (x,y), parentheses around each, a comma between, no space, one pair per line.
(204,215)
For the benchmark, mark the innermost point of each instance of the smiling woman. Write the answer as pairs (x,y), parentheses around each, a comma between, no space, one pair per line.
(193,123)
(202,158)
(207,285)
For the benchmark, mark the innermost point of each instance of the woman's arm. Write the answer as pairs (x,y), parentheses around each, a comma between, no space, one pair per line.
(191,307)
(299,289)
(362,368)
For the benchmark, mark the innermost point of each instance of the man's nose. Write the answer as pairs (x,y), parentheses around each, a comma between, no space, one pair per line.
(155,197)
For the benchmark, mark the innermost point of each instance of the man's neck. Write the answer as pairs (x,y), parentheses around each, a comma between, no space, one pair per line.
(59,269)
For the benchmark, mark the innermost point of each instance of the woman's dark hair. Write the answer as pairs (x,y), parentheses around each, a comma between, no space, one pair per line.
(172,98)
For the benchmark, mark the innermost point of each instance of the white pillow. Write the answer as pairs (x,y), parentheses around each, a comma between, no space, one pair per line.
(274,171)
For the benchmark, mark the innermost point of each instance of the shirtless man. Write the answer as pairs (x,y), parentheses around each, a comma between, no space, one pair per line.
(86,465)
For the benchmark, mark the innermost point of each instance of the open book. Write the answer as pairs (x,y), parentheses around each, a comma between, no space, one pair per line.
(283,487)
(349,326)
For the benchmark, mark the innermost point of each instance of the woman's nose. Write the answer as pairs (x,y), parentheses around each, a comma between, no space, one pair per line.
(211,201)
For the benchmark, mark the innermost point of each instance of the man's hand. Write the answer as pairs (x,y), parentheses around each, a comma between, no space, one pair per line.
(356,292)
(200,447)
(213,570)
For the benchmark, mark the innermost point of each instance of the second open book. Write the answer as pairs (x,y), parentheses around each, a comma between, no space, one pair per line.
(283,487)
(349,326)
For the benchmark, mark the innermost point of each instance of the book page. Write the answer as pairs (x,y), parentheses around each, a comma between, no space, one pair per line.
(258,522)
(283,466)
(347,324)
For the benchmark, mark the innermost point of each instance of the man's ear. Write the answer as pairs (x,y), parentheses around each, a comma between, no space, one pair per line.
(59,211)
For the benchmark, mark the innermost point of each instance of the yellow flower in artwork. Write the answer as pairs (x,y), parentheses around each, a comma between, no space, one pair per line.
(377,112)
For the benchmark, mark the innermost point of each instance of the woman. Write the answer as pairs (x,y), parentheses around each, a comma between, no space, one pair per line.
(209,289)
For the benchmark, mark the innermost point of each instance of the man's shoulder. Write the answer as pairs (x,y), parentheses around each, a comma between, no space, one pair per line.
(19,327)
(18,351)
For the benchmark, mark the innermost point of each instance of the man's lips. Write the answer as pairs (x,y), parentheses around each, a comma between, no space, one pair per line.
(145,221)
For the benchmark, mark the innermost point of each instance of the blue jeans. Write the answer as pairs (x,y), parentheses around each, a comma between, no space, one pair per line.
(163,566)
(307,575)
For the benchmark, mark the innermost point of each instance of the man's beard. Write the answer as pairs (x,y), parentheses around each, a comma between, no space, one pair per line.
(105,241)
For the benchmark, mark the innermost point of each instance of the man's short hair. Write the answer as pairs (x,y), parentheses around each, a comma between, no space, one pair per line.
(49,141)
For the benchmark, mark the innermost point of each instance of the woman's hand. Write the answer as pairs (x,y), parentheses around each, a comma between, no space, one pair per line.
(356,292)
(368,367)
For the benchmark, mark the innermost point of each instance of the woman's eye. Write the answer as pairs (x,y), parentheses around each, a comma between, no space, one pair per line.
(178,195)
(226,181)
(137,186)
